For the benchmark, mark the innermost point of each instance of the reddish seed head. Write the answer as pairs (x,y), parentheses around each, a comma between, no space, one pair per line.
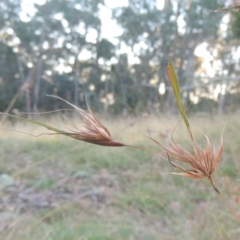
(94,131)
(202,162)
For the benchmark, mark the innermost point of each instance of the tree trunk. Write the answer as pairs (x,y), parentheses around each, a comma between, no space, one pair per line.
(221,100)
(76,83)
(39,69)
(27,83)
(37,83)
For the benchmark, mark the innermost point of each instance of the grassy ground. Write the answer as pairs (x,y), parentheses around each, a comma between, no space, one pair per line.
(65,189)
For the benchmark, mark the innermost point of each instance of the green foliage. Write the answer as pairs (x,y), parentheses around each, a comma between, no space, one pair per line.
(105,49)
(235,24)
(204,105)
(44,184)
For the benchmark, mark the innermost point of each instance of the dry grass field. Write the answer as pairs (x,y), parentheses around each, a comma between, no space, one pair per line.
(58,188)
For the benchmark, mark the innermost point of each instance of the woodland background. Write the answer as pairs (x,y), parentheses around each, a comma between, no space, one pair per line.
(64,48)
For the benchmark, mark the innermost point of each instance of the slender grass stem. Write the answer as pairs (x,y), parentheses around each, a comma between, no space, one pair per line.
(224,200)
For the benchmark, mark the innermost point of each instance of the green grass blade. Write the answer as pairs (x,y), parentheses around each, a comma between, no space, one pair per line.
(175,85)
(34,122)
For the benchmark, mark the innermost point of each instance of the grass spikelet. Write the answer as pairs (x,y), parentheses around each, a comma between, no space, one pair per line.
(201,163)
(95,132)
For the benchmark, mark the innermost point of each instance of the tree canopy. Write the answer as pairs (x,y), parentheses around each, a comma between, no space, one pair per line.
(62,47)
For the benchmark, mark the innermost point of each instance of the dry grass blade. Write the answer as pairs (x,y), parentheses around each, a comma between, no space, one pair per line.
(176,89)
(12,102)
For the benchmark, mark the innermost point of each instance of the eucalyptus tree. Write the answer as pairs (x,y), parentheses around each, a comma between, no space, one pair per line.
(50,40)
(177,29)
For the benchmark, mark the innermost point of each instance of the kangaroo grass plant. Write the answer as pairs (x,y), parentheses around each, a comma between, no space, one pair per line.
(202,162)
(198,164)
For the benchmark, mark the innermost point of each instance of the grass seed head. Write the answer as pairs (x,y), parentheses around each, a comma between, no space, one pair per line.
(201,163)
(94,131)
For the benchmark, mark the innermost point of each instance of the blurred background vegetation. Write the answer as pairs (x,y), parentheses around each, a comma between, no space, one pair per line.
(115,53)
